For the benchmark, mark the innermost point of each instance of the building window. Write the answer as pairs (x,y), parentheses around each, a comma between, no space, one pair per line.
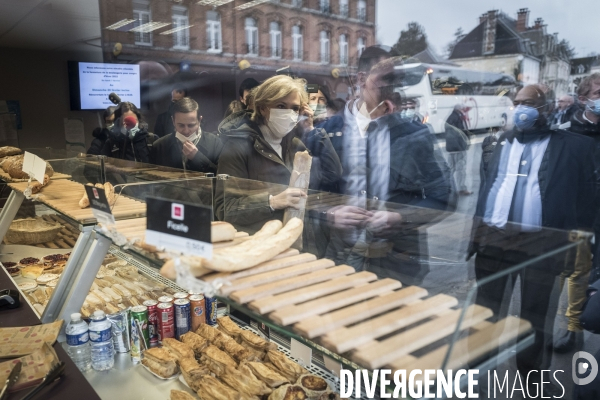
(297,45)
(360,45)
(213,31)
(251,36)
(362,10)
(324,41)
(142,15)
(275,33)
(324,6)
(181,28)
(297,3)
(343,50)
(344,8)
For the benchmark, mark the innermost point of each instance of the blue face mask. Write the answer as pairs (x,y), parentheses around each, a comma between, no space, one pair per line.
(525,117)
(403,114)
(410,112)
(594,106)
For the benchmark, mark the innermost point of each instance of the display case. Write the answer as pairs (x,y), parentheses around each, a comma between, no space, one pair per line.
(372,295)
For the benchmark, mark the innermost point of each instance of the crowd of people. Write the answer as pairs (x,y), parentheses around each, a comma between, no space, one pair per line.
(539,180)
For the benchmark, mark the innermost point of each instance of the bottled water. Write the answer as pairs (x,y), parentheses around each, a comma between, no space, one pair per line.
(103,352)
(78,346)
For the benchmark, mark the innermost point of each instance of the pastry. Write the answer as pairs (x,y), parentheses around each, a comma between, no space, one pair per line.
(210,388)
(111,308)
(195,341)
(255,344)
(36,187)
(208,332)
(45,278)
(234,349)
(13,271)
(56,270)
(178,349)
(52,284)
(116,297)
(289,392)
(160,361)
(101,295)
(25,286)
(119,289)
(244,381)
(32,271)
(28,261)
(266,374)
(217,360)
(313,385)
(329,396)
(9,264)
(191,371)
(181,395)
(228,327)
(93,299)
(285,366)
(39,295)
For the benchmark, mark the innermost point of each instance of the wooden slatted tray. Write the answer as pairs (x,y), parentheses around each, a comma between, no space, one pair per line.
(374,322)
(64,196)
(7,178)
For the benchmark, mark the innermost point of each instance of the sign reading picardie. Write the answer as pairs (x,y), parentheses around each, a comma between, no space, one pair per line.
(99,205)
(179,227)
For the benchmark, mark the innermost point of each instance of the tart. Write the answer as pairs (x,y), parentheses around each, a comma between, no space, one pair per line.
(13,271)
(28,261)
(26,286)
(9,264)
(32,272)
(45,278)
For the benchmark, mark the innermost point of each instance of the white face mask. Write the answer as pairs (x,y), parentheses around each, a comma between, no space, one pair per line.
(281,122)
(363,118)
(192,138)
(410,112)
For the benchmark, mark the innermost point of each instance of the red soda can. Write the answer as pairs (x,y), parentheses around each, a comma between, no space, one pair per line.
(152,321)
(166,321)
(198,311)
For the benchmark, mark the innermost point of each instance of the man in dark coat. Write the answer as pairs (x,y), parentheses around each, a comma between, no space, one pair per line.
(187,148)
(540,185)
(164,123)
(396,180)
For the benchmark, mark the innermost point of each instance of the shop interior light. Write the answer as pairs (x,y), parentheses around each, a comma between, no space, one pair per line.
(215,3)
(176,30)
(251,4)
(149,27)
(120,24)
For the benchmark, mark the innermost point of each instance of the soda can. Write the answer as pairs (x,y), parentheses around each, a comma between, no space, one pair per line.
(165,299)
(120,331)
(166,321)
(198,307)
(140,314)
(193,292)
(183,318)
(180,295)
(136,351)
(152,321)
(211,310)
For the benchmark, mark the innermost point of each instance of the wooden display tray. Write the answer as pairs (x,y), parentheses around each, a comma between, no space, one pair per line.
(7,178)
(374,322)
(64,196)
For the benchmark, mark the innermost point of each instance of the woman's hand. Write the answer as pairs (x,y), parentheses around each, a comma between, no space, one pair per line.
(288,198)
(306,118)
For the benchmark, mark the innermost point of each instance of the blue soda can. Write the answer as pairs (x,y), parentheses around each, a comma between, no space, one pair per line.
(183,317)
(211,310)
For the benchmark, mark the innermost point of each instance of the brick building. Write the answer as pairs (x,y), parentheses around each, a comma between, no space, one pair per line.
(213,45)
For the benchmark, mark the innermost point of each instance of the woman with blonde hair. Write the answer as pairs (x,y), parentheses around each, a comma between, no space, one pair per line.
(261,146)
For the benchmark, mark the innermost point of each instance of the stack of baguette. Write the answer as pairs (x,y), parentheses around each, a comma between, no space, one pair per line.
(271,240)
(109,190)
(228,363)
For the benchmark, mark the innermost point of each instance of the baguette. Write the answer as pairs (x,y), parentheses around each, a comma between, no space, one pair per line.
(36,187)
(85,202)
(221,232)
(254,251)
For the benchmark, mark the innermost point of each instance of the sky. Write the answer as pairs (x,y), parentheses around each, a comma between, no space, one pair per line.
(575,21)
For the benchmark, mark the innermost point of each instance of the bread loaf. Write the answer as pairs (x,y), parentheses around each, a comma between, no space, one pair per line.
(254,251)
(6,151)
(160,361)
(16,170)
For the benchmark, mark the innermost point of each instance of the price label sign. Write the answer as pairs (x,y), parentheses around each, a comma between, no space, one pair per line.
(34,166)
(99,205)
(179,227)
(301,352)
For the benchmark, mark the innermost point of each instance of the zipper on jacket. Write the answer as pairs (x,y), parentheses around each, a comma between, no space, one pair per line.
(423,193)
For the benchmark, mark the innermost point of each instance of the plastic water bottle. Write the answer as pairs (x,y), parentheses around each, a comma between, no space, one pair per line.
(78,346)
(103,351)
